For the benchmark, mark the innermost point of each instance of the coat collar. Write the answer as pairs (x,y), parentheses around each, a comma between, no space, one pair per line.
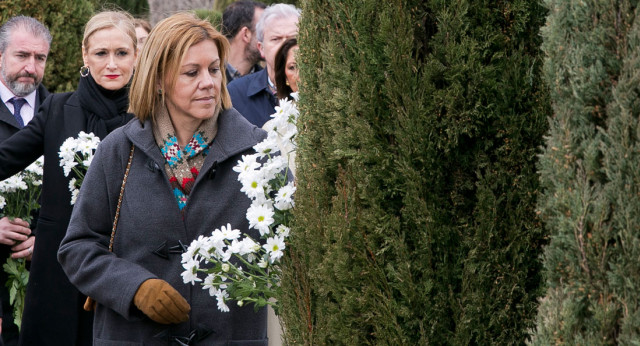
(259,82)
(235,135)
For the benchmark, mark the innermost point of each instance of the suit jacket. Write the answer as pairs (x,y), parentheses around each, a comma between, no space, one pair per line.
(256,68)
(251,97)
(9,126)
(53,312)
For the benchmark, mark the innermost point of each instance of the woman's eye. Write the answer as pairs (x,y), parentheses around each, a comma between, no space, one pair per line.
(101,53)
(214,70)
(191,73)
(123,53)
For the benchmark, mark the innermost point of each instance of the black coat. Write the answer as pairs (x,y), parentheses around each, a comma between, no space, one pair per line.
(8,127)
(53,312)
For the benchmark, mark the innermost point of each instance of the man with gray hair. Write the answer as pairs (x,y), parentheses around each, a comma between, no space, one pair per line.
(24,47)
(254,95)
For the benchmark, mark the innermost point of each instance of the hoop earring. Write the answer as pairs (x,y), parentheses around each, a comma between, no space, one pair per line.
(84,71)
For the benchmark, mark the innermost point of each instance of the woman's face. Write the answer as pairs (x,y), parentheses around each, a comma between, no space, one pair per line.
(291,69)
(110,56)
(142,35)
(196,91)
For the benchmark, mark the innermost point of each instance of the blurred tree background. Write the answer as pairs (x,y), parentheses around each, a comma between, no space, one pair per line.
(138,8)
(65,19)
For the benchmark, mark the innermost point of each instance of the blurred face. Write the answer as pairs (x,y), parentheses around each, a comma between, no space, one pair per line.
(251,50)
(196,93)
(23,62)
(291,68)
(110,56)
(275,33)
(142,35)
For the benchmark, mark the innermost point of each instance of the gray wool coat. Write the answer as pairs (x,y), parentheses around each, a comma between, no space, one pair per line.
(150,234)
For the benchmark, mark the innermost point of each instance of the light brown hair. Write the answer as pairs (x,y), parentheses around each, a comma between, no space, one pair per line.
(110,19)
(142,23)
(163,53)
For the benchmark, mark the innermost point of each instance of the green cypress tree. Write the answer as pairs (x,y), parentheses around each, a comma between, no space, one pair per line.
(415,210)
(589,173)
(65,20)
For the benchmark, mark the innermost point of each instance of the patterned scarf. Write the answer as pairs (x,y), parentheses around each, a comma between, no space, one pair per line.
(183,165)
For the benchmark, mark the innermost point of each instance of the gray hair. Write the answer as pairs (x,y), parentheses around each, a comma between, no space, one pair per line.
(273,12)
(31,25)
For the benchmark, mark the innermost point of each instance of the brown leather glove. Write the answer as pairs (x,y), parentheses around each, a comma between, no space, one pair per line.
(161,302)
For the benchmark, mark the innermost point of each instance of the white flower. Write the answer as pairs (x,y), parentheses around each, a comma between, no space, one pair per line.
(284,197)
(260,217)
(273,166)
(74,196)
(221,295)
(229,233)
(36,166)
(274,247)
(196,248)
(87,143)
(13,184)
(3,202)
(266,147)
(253,185)
(225,267)
(209,284)
(88,160)
(248,163)
(190,275)
(67,151)
(283,231)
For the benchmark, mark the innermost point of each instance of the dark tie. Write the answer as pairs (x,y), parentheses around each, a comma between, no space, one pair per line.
(17,106)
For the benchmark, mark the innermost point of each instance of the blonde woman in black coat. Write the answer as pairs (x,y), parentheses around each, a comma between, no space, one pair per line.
(53,313)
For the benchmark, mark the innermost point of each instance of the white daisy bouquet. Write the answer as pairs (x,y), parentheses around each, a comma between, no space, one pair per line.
(19,197)
(232,265)
(76,155)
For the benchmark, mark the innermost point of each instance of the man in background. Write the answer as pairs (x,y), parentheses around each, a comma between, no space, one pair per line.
(254,95)
(239,21)
(24,47)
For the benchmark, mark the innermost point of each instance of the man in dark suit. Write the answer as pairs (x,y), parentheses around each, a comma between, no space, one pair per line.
(254,95)
(24,47)
(239,21)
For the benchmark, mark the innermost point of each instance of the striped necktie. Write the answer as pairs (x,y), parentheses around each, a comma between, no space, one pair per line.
(17,106)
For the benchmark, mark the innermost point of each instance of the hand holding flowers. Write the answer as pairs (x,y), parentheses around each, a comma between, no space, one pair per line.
(19,197)
(237,267)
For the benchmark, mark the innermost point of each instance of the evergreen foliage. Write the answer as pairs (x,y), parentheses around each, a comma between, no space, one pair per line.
(220,5)
(214,17)
(138,8)
(415,210)
(589,174)
(65,20)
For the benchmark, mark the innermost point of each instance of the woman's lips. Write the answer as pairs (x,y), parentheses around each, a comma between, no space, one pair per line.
(112,76)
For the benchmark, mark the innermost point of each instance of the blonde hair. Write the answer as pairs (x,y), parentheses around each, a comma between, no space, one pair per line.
(163,53)
(107,20)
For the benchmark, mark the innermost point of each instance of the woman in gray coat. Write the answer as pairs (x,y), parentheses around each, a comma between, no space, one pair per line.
(180,185)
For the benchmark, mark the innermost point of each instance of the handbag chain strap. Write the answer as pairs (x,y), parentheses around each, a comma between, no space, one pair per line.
(124,182)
